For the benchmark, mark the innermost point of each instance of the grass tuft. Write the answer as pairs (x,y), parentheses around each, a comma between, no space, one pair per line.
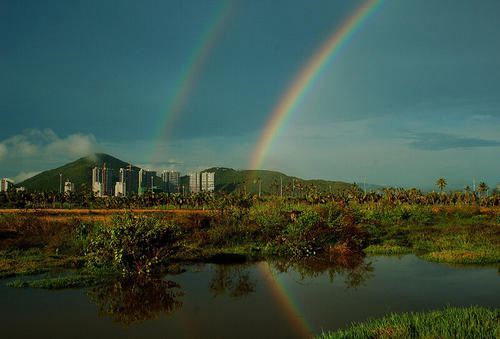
(70,281)
(388,250)
(464,256)
(469,322)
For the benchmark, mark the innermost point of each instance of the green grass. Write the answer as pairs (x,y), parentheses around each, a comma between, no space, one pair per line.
(69,281)
(470,322)
(461,256)
(387,249)
(33,261)
(462,236)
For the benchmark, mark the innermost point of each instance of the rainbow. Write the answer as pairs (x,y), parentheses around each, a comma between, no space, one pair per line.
(307,76)
(285,302)
(192,69)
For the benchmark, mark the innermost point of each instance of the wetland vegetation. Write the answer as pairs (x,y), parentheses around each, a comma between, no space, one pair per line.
(120,257)
(469,322)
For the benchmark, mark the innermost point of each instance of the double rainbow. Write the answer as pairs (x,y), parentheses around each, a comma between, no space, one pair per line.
(307,76)
(192,70)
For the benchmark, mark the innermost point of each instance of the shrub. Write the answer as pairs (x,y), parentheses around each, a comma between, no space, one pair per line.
(305,222)
(131,244)
(271,220)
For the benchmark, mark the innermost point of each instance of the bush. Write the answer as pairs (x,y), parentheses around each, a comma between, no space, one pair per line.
(131,244)
(320,228)
(271,220)
(228,227)
(304,223)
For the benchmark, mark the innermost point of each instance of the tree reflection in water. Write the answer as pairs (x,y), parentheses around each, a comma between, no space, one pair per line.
(354,268)
(135,300)
(232,279)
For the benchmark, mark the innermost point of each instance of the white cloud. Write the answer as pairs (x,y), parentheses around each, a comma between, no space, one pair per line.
(21,176)
(46,144)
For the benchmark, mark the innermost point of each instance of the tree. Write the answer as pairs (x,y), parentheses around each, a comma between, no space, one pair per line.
(441,183)
(482,187)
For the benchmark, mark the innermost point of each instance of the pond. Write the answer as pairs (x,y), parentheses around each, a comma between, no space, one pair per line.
(264,299)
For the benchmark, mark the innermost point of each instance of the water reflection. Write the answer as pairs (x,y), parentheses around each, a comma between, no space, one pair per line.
(355,269)
(135,300)
(232,279)
(261,303)
(132,301)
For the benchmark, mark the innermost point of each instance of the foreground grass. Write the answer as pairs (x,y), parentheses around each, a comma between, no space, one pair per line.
(387,249)
(69,281)
(463,256)
(470,322)
(33,261)
(463,236)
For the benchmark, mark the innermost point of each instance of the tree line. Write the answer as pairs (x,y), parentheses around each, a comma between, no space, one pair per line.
(218,200)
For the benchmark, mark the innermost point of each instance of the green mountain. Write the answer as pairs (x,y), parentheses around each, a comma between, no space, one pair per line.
(78,172)
(229,180)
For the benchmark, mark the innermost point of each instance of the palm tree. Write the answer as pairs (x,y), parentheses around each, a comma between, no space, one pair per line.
(441,183)
(482,187)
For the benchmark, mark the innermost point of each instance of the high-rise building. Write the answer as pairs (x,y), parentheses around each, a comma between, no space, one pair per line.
(120,188)
(6,184)
(171,181)
(194,182)
(96,181)
(107,181)
(208,181)
(199,182)
(68,186)
(146,180)
(102,181)
(129,181)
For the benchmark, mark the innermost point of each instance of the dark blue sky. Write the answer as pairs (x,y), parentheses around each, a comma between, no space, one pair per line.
(413,96)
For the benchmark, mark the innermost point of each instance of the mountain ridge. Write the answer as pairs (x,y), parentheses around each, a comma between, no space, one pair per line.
(79,172)
(228,180)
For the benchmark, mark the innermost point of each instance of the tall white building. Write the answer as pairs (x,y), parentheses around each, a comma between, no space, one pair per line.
(208,181)
(102,181)
(194,182)
(6,184)
(68,186)
(199,182)
(171,181)
(96,181)
(120,188)
(129,181)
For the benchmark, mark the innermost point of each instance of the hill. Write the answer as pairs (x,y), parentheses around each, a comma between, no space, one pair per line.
(78,172)
(229,180)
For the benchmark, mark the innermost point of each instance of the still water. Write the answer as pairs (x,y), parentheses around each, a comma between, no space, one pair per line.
(265,299)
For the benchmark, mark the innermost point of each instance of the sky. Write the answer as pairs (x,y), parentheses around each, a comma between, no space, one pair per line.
(412,96)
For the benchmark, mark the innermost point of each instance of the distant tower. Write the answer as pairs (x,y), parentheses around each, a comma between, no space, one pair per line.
(208,181)
(97,181)
(194,182)
(68,186)
(171,181)
(102,181)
